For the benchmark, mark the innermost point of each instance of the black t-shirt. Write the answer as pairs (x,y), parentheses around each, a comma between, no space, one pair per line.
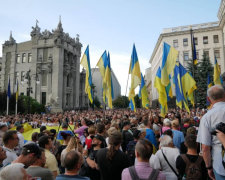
(180,165)
(111,170)
(127,137)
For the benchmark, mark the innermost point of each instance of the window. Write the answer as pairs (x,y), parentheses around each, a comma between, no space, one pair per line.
(68,81)
(217,53)
(29,58)
(17,58)
(186,56)
(23,58)
(205,39)
(67,99)
(22,93)
(175,43)
(196,41)
(45,54)
(22,75)
(44,78)
(185,42)
(197,55)
(215,38)
(16,76)
(43,98)
(206,54)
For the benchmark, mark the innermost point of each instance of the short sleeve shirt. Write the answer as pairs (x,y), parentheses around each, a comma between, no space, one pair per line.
(51,162)
(207,125)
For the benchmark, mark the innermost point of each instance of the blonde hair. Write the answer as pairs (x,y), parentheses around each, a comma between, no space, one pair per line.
(74,143)
(91,130)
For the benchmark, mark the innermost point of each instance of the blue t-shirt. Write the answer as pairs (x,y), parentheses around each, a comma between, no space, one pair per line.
(150,135)
(178,138)
(74,177)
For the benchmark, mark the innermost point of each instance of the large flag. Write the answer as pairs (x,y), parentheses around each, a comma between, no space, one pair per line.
(195,60)
(143,93)
(132,104)
(85,62)
(134,69)
(108,82)
(168,62)
(9,89)
(102,63)
(217,78)
(209,84)
(17,90)
(162,93)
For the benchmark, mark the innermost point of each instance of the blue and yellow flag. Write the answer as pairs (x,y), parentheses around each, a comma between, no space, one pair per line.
(17,90)
(9,90)
(85,62)
(163,95)
(217,78)
(195,60)
(168,62)
(132,105)
(102,63)
(209,84)
(143,93)
(108,82)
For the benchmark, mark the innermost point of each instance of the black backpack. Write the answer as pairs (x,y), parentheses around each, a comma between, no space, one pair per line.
(153,176)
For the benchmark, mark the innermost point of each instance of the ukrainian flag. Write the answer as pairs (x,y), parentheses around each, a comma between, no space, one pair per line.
(108,82)
(9,90)
(17,90)
(209,84)
(195,60)
(132,105)
(134,69)
(85,62)
(143,94)
(217,78)
(102,63)
(168,62)
(162,93)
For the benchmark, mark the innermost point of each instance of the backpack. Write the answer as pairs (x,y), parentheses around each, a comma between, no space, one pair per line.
(193,170)
(153,176)
(131,151)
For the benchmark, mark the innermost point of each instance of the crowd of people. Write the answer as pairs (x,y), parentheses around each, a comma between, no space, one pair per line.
(117,144)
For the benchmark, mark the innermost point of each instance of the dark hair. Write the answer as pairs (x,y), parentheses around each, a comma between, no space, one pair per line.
(43,140)
(18,128)
(169,132)
(53,131)
(190,141)
(72,160)
(146,122)
(144,149)
(31,148)
(64,125)
(8,135)
(115,138)
(2,126)
(34,136)
(42,128)
(100,128)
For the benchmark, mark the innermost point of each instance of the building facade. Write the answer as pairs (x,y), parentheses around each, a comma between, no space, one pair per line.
(208,38)
(47,68)
(97,81)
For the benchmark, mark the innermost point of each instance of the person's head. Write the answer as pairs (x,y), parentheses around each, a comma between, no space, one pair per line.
(97,141)
(146,122)
(66,136)
(166,141)
(53,131)
(14,171)
(20,128)
(42,128)
(100,128)
(190,142)
(3,128)
(166,122)
(42,160)
(115,140)
(143,150)
(73,144)
(191,130)
(175,124)
(30,153)
(64,125)
(10,139)
(126,125)
(73,161)
(216,93)
(45,142)
(168,132)
(34,137)
(2,154)
(91,130)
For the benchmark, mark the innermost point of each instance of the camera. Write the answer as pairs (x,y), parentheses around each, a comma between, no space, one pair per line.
(220,127)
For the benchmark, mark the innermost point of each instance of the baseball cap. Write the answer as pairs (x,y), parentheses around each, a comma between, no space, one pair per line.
(32,148)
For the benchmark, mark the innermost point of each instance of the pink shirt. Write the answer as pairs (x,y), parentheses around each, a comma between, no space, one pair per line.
(165,128)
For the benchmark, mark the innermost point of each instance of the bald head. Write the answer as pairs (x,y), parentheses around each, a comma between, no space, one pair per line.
(216,93)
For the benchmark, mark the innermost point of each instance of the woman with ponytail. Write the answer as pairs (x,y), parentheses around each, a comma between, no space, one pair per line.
(111,160)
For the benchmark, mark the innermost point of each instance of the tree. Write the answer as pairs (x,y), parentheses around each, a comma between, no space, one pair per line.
(137,101)
(203,68)
(121,102)
(96,102)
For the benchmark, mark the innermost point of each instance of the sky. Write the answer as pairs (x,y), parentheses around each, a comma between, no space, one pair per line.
(112,25)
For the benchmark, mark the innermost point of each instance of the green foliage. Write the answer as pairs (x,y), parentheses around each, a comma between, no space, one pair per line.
(121,102)
(96,102)
(22,106)
(137,101)
(201,71)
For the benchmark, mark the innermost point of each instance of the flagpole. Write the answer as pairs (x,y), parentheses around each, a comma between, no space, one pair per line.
(16,107)
(7,111)
(127,84)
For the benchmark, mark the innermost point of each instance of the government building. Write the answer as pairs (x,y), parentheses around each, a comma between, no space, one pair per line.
(209,40)
(47,68)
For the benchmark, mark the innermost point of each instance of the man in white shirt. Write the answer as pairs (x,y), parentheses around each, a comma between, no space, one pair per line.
(211,146)
(10,140)
(20,130)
